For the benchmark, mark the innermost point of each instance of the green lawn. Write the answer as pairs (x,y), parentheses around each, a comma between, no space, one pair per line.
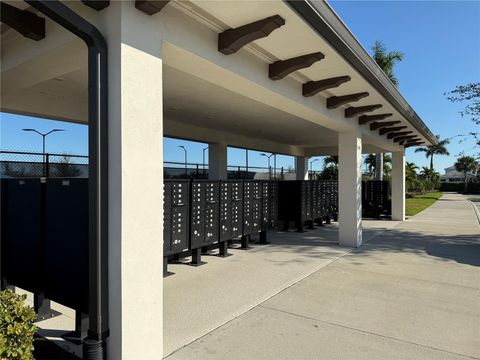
(420,202)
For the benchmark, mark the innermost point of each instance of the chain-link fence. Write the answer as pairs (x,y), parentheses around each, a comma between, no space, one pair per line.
(30,164)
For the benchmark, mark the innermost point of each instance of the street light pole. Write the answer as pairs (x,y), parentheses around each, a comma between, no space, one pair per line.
(311,167)
(274,166)
(205,148)
(43,135)
(185,150)
(269,170)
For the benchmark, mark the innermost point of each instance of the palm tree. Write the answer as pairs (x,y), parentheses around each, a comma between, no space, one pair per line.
(370,162)
(330,160)
(386,59)
(426,172)
(466,164)
(437,149)
(411,170)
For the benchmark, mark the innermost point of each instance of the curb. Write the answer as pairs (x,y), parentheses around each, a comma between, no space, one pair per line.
(476,209)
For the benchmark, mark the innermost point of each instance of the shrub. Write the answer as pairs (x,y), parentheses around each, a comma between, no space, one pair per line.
(16,328)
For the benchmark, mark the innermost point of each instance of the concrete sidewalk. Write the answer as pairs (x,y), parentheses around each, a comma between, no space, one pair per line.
(411,293)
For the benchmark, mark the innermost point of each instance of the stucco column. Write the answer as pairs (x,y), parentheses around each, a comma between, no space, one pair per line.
(135,183)
(301,167)
(398,185)
(217,161)
(350,188)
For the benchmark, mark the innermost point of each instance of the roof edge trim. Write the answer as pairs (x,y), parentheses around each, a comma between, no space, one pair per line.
(323,19)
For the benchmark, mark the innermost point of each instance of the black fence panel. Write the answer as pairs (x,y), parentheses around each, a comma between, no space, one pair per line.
(22,232)
(231,209)
(65,251)
(205,213)
(176,216)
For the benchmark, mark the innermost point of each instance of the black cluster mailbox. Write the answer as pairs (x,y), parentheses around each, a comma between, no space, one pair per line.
(307,202)
(375,198)
(204,230)
(176,217)
(231,212)
(273,204)
(255,210)
(202,214)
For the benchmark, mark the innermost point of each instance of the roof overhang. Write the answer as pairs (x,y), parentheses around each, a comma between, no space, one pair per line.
(322,18)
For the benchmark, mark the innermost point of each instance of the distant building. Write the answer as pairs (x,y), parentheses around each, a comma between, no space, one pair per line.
(452,175)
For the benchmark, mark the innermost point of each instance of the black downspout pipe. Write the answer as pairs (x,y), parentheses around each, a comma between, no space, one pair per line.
(94,347)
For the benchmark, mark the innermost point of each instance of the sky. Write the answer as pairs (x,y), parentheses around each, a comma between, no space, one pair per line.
(441,45)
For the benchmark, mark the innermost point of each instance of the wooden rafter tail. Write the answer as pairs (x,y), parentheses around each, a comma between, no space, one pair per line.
(232,40)
(384,131)
(378,125)
(365,119)
(96,4)
(279,69)
(398,133)
(311,88)
(336,101)
(151,7)
(354,111)
(23,21)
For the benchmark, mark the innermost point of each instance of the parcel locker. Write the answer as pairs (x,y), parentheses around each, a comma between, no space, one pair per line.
(176,213)
(273,204)
(252,207)
(231,209)
(205,213)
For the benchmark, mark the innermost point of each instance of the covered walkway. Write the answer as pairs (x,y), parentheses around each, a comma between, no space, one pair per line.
(412,292)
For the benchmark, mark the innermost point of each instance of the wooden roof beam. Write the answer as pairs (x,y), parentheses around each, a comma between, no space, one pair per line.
(399,133)
(378,125)
(407,137)
(311,88)
(354,111)
(23,21)
(414,144)
(279,69)
(364,119)
(336,101)
(232,40)
(150,7)
(96,4)
(391,129)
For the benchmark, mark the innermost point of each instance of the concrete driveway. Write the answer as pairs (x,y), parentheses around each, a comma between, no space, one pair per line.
(411,293)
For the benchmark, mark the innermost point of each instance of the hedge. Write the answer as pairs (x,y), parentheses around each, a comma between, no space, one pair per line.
(473,187)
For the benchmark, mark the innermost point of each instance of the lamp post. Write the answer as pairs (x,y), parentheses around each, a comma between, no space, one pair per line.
(246,163)
(203,156)
(43,135)
(311,167)
(185,151)
(274,166)
(268,157)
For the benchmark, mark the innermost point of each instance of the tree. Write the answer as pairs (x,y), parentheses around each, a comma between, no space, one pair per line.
(330,160)
(468,94)
(436,149)
(466,164)
(65,168)
(411,170)
(386,60)
(370,162)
